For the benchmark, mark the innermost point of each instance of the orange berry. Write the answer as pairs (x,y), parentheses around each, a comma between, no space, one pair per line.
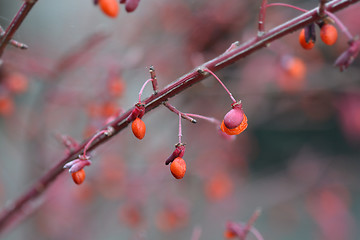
(109,7)
(328,34)
(138,128)
(109,109)
(235,131)
(229,234)
(78,176)
(17,83)
(296,68)
(218,187)
(7,106)
(306,45)
(178,168)
(116,86)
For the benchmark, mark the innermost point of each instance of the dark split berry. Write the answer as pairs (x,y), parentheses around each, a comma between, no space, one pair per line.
(307,37)
(178,152)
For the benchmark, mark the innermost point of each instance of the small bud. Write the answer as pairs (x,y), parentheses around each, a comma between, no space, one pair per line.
(77,165)
(178,152)
(178,168)
(137,112)
(347,57)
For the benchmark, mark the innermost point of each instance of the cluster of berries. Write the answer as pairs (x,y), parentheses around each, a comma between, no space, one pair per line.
(111,7)
(235,122)
(11,84)
(307,37)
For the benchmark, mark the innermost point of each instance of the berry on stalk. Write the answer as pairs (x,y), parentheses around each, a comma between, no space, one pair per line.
(328,34)
(178,168)
(78,176)
(138,128)
(109,7)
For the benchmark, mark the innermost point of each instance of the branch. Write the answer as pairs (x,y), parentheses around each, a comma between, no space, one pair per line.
(155,100)
(15,23)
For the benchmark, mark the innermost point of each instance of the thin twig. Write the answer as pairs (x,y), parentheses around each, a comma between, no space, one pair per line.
(155,100)
(251,222)
(12,41)
(343,28)
(15,24)
(287,5)
(154,79)
(222,84)
(143,87)
(261,22)
(180,132)
(183,115)
(322,8)
(209,119)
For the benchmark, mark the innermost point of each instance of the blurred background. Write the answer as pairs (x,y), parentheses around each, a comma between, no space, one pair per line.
(298,159)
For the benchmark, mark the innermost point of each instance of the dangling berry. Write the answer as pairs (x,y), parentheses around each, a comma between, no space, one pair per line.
(78,176)
(305,44)
(328,34)
(178,168)
(235,131)
(109,7)
(234,117)
(131,5)
(138,127)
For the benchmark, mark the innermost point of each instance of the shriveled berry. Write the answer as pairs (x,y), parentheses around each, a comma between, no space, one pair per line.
(109,7)
(131,5)
(328,34)
(178,168)
(233,118)
(302,40)
(235,131)
(78,176)
(138,128)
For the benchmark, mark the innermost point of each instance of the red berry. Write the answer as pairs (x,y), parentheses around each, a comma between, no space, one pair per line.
(131,5)
(109,7)
(78,176)
(306,45)
(178,168)
(235,131)
(328,34)
(139,129)
(233,118)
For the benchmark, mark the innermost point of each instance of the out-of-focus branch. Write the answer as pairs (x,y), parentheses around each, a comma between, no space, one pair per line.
(155,100)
